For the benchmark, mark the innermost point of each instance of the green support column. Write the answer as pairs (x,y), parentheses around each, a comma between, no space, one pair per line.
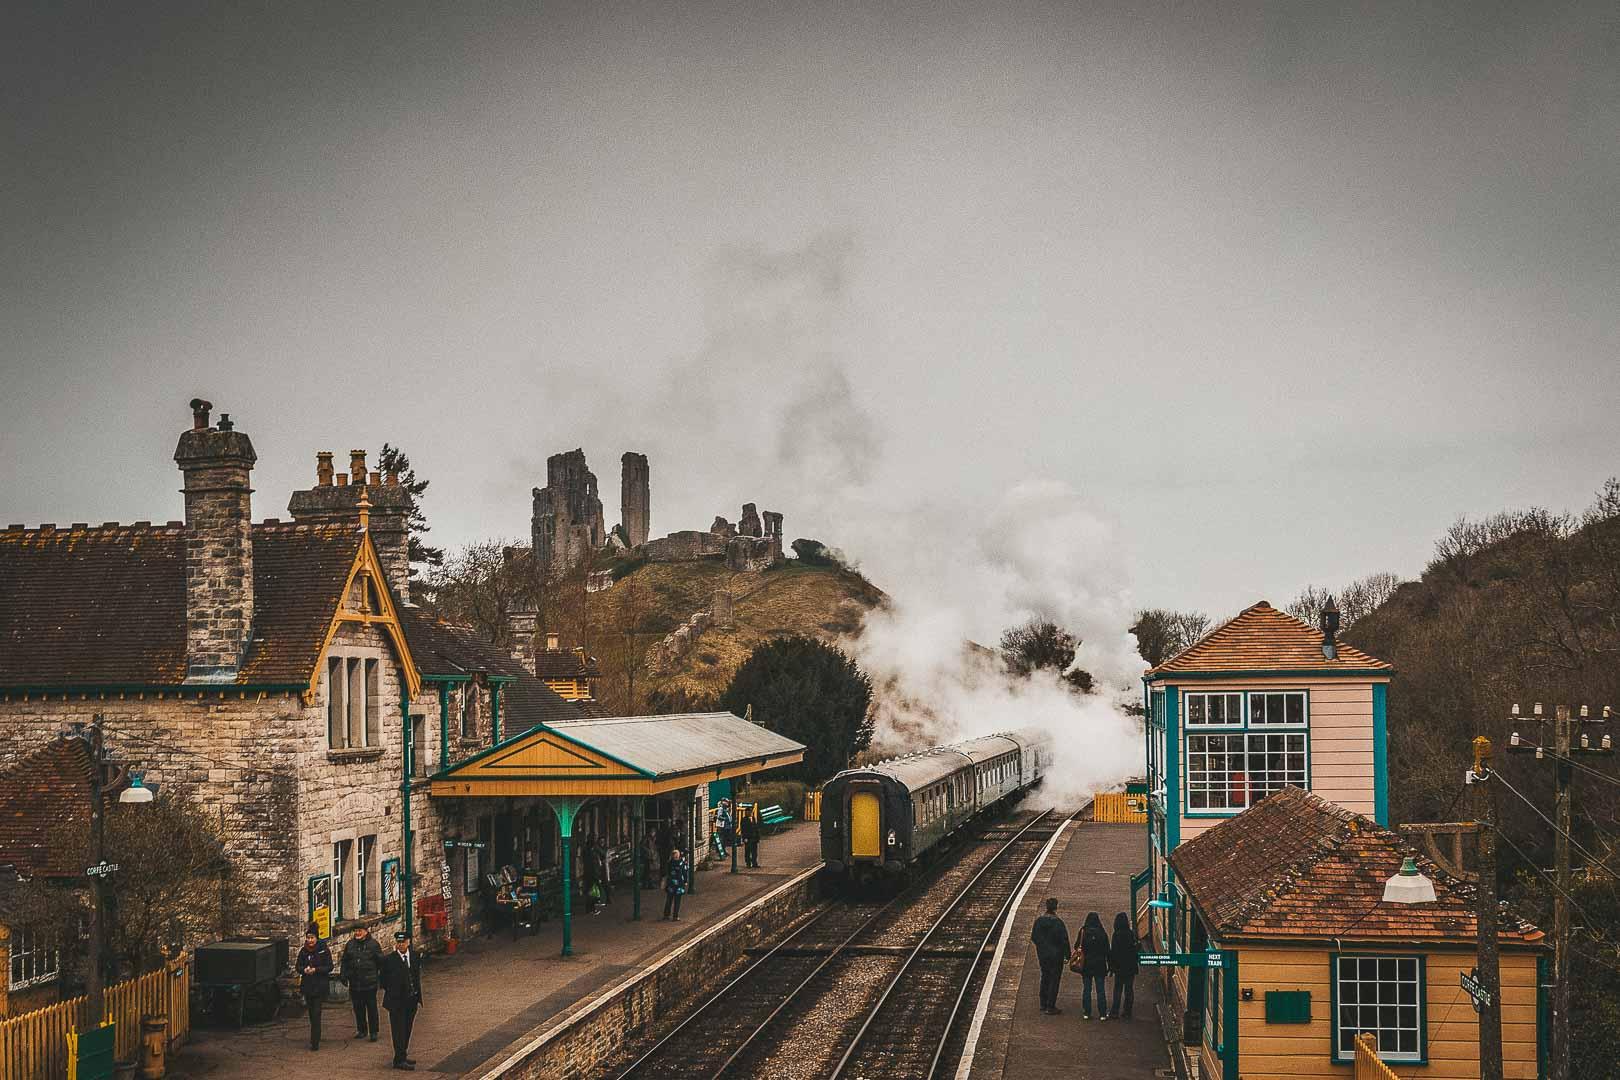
(1229,1017)
(494,712)
(565,807)
(693,832)
(407,870)
(444,725)
(635,857)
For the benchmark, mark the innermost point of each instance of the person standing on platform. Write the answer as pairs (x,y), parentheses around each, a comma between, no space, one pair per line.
(593,875)
(362,967)
(1123,961)
(315,975)
(1051,940)
(1092,950)
(674,885)
(604,870)
(402,996)
(649,862)
(750,839)
(722,828)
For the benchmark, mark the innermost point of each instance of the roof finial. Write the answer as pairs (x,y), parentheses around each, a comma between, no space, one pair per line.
(364,507)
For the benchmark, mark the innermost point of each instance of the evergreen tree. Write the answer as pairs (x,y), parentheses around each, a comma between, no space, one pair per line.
(393,460)
(811,692)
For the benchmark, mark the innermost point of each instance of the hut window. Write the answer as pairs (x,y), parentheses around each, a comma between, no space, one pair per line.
(1383,995)
(1215,710)
(1231,770)
(35,958)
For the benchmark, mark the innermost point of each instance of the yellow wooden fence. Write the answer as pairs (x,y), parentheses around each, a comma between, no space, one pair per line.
(1368,1067)
(33,1046)
(812,805)
(1119,807)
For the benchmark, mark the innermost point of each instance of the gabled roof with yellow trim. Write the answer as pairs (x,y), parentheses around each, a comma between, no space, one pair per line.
(620,755)
(84,607)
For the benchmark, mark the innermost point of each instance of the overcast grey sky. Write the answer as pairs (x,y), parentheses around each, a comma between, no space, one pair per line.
(1279,289)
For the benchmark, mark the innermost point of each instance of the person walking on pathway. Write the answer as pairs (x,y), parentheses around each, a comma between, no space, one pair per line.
(402,996)
(362,968)
(1051,940)
(1091,956)
(750,839)
(314,967)
(674,885)
(1123,961)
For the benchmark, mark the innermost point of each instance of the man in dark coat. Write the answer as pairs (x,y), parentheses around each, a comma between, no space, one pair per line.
(1051,940)
(314,967)
(402,994)
(362,968)
(750,838)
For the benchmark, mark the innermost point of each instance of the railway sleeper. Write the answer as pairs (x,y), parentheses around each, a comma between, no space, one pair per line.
(879,950)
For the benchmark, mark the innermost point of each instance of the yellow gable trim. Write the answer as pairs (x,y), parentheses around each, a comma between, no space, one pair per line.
(386,619)
(542,755)
(515,779)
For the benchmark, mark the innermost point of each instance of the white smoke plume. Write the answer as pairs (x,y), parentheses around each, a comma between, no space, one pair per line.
(774,393)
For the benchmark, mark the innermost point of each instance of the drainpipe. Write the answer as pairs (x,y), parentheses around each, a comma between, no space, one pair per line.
(494,712)
(407,890)
(444,725)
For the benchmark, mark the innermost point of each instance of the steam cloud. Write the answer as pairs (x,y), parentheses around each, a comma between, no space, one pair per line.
(772,391)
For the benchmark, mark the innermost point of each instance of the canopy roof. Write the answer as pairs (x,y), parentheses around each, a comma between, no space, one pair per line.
(620,755)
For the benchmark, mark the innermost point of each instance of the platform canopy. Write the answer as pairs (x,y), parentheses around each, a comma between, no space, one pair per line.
(619,755)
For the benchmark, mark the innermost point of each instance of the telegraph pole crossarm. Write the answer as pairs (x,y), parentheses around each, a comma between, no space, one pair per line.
(1566,742)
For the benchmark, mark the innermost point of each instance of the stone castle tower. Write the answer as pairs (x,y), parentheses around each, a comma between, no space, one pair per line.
(567,522)
(634,498)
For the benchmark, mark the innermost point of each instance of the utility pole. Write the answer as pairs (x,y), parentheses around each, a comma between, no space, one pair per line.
(1564,744)
(1485,916)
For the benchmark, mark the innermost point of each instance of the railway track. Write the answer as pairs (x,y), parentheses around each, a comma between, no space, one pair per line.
(851,979)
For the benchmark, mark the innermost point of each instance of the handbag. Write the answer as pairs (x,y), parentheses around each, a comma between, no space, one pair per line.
(1077,963)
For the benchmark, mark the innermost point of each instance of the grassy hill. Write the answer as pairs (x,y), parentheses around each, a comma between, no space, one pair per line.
(652,599)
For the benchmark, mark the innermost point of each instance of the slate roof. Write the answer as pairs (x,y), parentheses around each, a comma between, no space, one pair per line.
(95,607)
(1297,866)
(1261,638)
(439,648)
(565,664)
(37,795)
(678,743)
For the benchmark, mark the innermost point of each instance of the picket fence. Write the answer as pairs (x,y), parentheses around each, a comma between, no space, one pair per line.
(33,1046)
(1119,807)
(1368,1067)
(812,805)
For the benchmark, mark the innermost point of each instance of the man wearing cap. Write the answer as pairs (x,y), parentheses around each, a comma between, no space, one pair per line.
(314,967)
(362,963)
(402,993)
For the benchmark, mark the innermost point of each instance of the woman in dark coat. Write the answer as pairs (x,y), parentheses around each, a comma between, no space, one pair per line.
(1092,949)
(1122,961)
(675,885)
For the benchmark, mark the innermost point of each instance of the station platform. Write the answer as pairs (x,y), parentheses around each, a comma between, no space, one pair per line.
(496,990)
(1089,868)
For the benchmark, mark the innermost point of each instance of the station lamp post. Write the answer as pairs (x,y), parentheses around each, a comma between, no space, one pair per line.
(130,790)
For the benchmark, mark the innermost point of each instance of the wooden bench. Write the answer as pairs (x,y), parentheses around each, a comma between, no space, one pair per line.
(773,817)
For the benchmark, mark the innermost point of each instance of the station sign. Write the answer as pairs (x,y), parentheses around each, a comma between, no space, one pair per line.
(102,869)
(478,845)
(1469,980)
(1187,960)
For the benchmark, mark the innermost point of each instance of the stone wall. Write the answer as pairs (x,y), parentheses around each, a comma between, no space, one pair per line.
(685,546)
(667,654)
(653,1000)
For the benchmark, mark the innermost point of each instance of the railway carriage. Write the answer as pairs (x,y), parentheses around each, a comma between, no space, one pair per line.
(879,820)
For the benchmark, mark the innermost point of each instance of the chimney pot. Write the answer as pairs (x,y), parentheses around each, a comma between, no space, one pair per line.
(357,466)
(199,413)
(323,468)
(376,478)
(342,479)
(551,643)
(393,478)
(225,422)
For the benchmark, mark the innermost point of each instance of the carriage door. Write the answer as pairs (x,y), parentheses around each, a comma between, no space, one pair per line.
(865,828)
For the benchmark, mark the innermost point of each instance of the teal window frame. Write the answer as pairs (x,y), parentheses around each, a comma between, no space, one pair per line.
(1247,729)
(1397,1057)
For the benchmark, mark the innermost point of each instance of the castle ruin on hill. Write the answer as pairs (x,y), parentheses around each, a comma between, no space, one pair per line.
(567,526)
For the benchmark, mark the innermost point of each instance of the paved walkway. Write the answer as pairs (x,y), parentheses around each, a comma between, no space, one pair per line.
(495,991)
(1089,869)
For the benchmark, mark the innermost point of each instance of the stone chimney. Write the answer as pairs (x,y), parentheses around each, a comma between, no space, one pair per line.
(217,463)
(551,643)
(383,503)
(522,626)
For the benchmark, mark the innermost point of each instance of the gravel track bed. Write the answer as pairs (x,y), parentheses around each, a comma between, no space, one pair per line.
(814,1035)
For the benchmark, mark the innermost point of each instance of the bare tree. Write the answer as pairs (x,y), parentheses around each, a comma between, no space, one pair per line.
(480,585)
(1041,644)
(1161,634)
(1355,601)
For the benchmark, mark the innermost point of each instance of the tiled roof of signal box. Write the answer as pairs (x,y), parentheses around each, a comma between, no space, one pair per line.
(1297,866)
(40,794)
(87,607)
(1261,638)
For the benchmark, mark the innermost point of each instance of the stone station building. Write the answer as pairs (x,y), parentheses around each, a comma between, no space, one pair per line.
(278,672)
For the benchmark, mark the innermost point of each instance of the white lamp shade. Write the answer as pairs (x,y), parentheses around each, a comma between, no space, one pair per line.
(1409,886)
(137,792)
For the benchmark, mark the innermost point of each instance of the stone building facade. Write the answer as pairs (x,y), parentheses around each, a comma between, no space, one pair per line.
(268,671)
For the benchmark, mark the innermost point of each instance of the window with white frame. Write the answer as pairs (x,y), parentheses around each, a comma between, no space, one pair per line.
(368,894)
(342,879)
(1258,752)
(36,957)
(1383,995)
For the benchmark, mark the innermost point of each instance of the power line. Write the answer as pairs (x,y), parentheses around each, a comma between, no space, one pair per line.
(1496,775)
